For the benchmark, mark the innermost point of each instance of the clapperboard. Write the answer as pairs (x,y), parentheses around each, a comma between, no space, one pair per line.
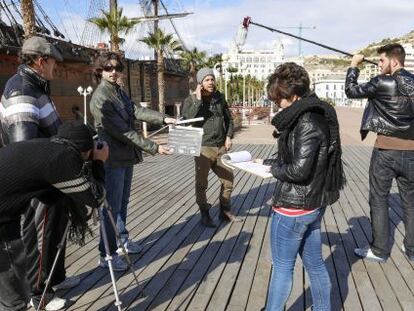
(185,140)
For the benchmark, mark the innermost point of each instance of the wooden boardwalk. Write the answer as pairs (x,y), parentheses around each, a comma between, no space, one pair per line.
(185,266)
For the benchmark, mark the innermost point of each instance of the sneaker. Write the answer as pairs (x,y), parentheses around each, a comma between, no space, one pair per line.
(55,304)
(411,258)
(69,282)
(118,264)
(366,253)
(131,247)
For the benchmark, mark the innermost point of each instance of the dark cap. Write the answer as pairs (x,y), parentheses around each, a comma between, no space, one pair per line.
(78,133)
(40,46)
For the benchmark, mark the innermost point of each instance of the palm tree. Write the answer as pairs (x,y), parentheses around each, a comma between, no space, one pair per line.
(213,60)
(115,24)
(28,18)
(161,43)
(192,60)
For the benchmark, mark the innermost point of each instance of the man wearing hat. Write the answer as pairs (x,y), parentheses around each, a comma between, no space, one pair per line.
(27,112)
(26,109)
(210,104)
(52,170)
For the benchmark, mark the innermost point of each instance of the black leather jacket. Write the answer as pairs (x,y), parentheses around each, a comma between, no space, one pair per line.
(301,183)
(26,109)
(115,116)
(390,108)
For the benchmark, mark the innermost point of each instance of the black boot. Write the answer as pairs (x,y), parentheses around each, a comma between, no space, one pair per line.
(228,216)
(206,219)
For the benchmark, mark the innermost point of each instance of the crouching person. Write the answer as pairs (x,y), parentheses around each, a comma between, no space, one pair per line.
(53,170)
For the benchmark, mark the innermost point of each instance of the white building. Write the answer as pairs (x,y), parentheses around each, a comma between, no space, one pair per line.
(332,88)
(409,57)
(258,64)
(318,74)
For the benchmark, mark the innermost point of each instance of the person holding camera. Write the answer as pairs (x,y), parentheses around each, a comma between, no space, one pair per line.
(209,103)
(52,170)
(27,112)
(115,115)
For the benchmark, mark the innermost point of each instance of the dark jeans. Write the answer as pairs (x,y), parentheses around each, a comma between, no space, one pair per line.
(118,188)
(13,283)
(385,166)
(43,229)
(291,236)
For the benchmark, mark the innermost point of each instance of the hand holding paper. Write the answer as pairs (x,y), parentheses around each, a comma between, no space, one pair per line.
(243,160)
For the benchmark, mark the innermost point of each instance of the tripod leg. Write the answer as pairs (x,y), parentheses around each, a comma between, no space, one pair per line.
(49,278)
(108,258)
(118,237)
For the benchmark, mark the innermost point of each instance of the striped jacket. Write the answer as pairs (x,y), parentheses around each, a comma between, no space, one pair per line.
(26,109)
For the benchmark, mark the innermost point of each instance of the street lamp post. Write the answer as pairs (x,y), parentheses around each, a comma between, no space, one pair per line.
(84,92)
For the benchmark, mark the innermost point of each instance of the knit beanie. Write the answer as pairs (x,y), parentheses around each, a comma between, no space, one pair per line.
(204,72)
(78,133)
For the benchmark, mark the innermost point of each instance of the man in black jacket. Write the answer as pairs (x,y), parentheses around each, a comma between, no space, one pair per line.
(115,115)
(217,125)
(27,112)
(52,170)
(390,114)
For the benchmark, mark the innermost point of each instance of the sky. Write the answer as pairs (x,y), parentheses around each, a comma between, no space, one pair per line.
(347,25)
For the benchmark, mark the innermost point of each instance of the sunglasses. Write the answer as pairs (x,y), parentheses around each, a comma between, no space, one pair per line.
(110,68)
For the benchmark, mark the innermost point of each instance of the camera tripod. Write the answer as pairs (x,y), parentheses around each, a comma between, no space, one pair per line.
(108,257)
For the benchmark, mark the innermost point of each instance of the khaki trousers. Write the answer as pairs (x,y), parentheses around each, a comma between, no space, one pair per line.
(210,159)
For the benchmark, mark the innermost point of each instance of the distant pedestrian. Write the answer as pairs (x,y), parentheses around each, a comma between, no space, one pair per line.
(390,114)
(309,174)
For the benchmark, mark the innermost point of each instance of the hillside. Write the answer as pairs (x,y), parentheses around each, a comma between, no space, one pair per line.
(341,63)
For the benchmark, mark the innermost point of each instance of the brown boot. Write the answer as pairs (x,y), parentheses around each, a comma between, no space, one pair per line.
(205,218)
(229,216)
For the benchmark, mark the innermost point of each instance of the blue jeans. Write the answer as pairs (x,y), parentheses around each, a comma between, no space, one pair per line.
(118,189)
(291,236)
(385,166)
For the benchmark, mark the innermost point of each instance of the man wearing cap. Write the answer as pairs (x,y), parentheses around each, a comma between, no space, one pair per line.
(26,109)
(27,112)
(210,104)
(35,168)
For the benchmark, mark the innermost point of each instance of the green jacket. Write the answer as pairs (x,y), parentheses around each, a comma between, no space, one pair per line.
(217,124)
(115,115)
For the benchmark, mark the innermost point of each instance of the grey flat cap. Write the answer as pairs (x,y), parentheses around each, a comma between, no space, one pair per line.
(40,46)
(204,72)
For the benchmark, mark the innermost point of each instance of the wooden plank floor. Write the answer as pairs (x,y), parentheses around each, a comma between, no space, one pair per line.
(185,266)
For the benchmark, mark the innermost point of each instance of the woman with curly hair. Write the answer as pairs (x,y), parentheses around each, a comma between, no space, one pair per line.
(309,175)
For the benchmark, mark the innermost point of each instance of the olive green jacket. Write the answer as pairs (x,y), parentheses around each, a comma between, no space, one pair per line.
(114,115)
(218,122)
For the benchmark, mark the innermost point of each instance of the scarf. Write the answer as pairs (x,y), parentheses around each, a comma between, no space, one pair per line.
(286,120)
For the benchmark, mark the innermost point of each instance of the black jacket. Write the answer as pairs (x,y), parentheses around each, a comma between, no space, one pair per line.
(26,109)
(218,122)
(390,108)
(300,183)
(47,170)
(115,116)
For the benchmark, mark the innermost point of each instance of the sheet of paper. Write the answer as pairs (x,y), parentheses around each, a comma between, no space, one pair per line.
(242,160)
(239,156)
(254,168)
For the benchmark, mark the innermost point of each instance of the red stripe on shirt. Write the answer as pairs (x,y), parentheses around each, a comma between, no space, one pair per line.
(291,211)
